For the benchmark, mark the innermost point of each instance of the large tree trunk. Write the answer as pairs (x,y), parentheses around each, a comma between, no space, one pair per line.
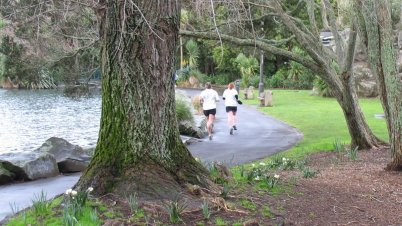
(376,29)
(139,147)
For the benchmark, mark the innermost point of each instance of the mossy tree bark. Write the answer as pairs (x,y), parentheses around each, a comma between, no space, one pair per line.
(375,23)
(335,68)
(139,148)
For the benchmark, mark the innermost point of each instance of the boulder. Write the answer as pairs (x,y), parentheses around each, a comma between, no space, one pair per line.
(249,93)
(266,99)
(194,127)
(188,128)
(70,158)
(365,82)
(5,175)
(194,82)
(29,166)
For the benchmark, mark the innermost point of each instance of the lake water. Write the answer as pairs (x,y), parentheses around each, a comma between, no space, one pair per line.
(29,117)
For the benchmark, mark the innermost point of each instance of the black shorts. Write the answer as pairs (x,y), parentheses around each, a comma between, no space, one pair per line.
(210,112)
(231,109)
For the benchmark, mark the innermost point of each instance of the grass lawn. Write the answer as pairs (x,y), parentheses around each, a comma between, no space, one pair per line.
(319,119)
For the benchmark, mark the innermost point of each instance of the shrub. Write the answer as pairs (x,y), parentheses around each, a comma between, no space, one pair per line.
(183,110)
(322,87)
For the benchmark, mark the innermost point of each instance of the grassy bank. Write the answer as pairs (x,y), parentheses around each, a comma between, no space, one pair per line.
(319,119)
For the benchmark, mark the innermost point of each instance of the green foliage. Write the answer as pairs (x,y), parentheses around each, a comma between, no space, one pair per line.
(339,146)
(247,66)
(12,53)
(40,206)
(292,75)
(205,210)
(220,222)
(215,175)
(57,212)
(202,78)
(396,11)
(220,79)
(309,173)
(352,153)
(222,56)
(133,202)
(266,212)
(248,204)
(279,162)
(2,23)
(193,53)
(14,208)
(225,191)
(175,208)
(183,110)
(322,87)
(26,73)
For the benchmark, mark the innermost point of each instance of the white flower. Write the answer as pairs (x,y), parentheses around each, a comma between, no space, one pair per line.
(262,163)
(73,193)
(68,191)
(257,178)
(90,189)
(283,159)
(253,165)
(276,176)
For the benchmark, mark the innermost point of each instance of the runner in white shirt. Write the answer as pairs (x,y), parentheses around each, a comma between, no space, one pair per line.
(209,97)
(231,98)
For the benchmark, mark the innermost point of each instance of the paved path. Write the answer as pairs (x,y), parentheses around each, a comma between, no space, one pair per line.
(257,136)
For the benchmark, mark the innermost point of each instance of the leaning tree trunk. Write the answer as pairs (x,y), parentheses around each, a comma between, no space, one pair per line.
(360,133)
(139,147)
(342,88)
(376,29)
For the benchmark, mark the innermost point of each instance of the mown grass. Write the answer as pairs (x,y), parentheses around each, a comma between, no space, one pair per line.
(319,119)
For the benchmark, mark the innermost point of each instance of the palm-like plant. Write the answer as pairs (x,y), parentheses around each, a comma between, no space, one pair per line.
(247,66)
(193,53)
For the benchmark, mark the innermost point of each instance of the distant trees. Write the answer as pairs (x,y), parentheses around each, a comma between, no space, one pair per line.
(58,41)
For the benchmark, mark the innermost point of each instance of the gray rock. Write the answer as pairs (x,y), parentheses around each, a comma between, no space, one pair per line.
(189,140)
(5,175)
(366,83)
(70,158)
(189,129)
(30,166)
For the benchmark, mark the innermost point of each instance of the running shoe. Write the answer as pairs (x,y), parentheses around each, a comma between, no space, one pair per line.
(231,131)
(234,127)
(210,137)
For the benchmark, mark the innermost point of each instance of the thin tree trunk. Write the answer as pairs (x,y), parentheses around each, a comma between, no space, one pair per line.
(139,148)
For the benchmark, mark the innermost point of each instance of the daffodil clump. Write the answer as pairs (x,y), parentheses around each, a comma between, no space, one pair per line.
(74,202)
(261,174)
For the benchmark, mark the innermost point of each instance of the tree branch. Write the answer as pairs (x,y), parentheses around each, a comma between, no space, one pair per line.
(253,43)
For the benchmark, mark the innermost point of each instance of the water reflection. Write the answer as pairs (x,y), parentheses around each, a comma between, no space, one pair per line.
(28,118)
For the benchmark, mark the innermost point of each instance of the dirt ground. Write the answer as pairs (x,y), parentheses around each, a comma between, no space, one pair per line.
(344,192)
(348,192)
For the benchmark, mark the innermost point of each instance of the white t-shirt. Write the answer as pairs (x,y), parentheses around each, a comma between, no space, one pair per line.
(230,99)
(210,97)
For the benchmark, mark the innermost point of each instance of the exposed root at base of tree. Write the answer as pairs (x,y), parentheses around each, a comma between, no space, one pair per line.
(151,182)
